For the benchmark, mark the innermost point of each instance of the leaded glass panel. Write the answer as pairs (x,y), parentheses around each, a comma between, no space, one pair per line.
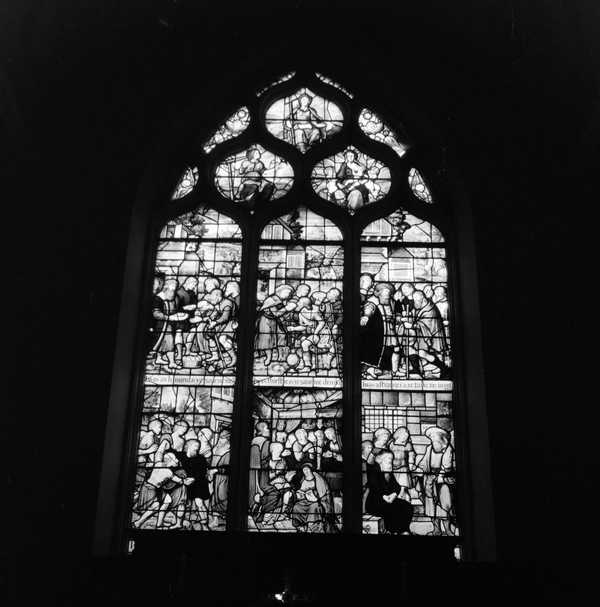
(351,179)
(183,452)
(234,126)
(296,463)
(331,82)
(418,186)
(301,224)
(376,129)
(254,174)
(186,184)
(303,119)
(283,78)
(404,345)
(400,226)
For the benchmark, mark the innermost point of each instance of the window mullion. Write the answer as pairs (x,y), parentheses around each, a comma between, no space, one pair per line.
(241,423)
(351,420)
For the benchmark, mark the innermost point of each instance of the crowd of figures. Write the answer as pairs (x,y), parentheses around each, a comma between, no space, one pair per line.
(296,477)
(194,323)
(404,330)
(300,327)
(398,481)
(182,476)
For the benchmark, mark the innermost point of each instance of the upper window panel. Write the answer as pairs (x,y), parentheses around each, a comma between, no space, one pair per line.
(235,125)
(301,224)
(401,227)
(351,179)
(372,126)
(303,119)
(186,184)
(254,174)
(418,187)
(201,223)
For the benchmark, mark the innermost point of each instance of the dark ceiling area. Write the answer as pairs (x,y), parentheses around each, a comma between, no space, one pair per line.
(503,93)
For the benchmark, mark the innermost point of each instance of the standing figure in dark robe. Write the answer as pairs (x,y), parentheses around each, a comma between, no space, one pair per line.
(196,468)
(380,348)
(383,497)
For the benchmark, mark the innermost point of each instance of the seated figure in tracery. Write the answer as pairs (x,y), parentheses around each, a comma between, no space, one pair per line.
(305,122)
(253,182)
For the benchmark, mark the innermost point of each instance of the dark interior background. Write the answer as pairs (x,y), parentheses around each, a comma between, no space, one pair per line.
(510,88)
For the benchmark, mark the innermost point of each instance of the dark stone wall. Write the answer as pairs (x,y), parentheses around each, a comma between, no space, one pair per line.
(506,90)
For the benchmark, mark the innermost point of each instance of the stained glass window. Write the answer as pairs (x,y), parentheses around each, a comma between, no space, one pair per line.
(182,470)
(256,350)
(351,179)
(406,368)
(234,126)
(283,78)
(418,187)
(186,183)
(295,455)
(376,129)
(328,80)
(303,119)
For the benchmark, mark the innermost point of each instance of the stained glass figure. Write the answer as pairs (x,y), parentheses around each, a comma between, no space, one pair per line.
(331,82)
(296,462)
(283,78)
(183,456)
(404,318)
(372,126)
(400,226)
(408,463)
(351,179)
(186,184)
(404,345)
(303,119)
(182,473)
(418,187)
(253,175)
(234,126)
(301,224)
(299,316)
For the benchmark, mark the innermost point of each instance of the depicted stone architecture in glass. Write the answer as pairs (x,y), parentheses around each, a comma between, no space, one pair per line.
(351,179)
(400,226)
(372,126)
(234,126)
(254,175)
(303,119)
(186,184)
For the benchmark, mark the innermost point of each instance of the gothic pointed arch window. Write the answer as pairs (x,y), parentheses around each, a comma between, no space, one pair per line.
(298,367)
